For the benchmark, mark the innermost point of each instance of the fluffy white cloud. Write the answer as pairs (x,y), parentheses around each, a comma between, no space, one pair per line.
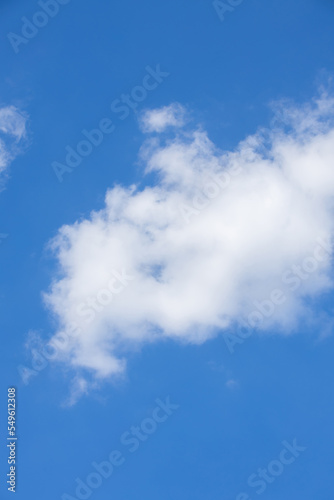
(12,131)
(157,120)
(217,235)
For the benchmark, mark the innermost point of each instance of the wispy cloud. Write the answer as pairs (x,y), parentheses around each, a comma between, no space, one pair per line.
(12,132)
(157,120)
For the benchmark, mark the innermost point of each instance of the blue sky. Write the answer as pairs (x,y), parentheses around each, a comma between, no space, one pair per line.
(234,409)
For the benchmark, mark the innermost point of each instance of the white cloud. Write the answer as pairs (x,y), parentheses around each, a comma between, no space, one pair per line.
(12,122)
(12,131)
(157,120)
(214,235)
(232,384)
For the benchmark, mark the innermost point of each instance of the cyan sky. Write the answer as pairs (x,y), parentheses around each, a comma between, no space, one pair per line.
(226,73)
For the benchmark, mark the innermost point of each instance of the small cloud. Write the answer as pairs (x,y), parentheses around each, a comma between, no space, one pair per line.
(3,236)
(232,384)
(157,120)
(12,132)
(79,388)
(13,122)
(216,367)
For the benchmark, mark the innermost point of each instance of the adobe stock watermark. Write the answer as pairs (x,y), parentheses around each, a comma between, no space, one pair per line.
(266,476)
(122,108)
(227,6)
(215,186)
(292,279)
(30,28)
(88,310)
(130,441)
